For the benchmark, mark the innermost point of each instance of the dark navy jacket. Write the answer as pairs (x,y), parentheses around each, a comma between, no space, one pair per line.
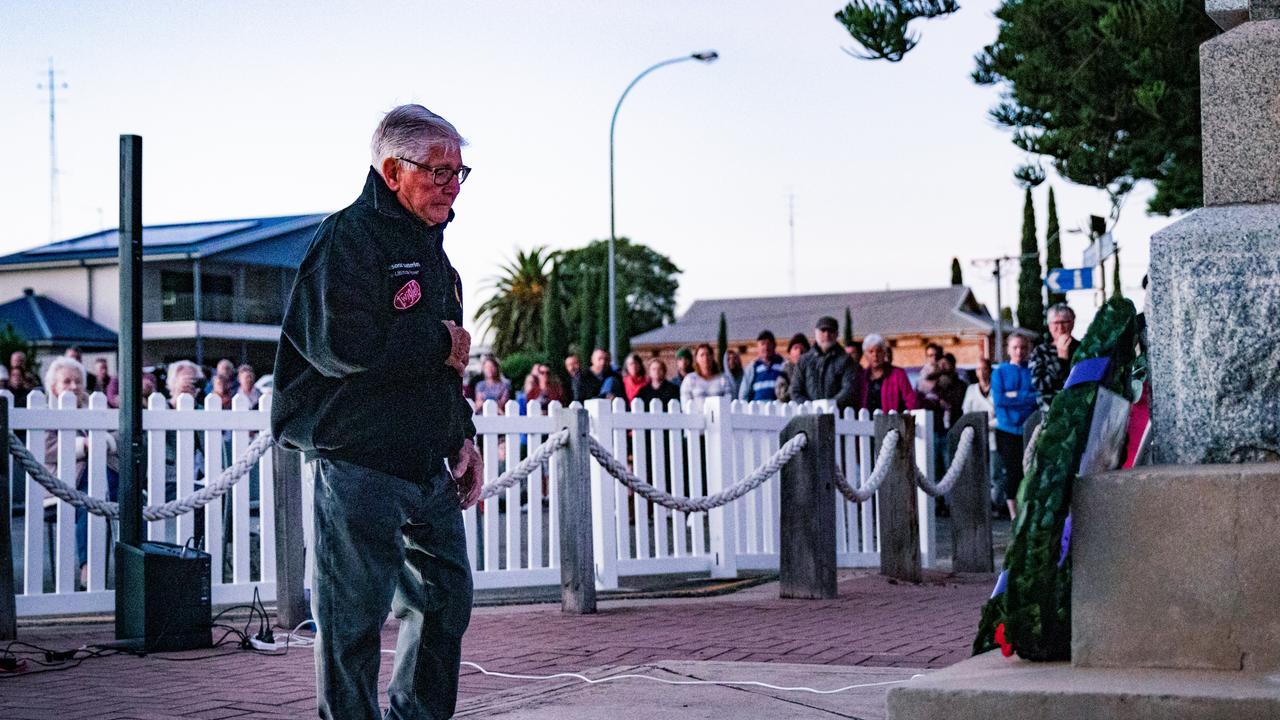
(360,372)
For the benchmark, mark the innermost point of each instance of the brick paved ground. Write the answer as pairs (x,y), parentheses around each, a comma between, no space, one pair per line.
(873,623)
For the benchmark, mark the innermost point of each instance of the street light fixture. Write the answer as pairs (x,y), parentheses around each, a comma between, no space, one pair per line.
(706,56)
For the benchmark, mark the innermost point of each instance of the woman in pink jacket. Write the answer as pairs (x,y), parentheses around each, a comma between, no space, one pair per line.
(887,387)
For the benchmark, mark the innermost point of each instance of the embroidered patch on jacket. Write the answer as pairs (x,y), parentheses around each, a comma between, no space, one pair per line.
(407,296)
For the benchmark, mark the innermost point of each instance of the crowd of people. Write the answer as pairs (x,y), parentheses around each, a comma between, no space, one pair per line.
(861,375)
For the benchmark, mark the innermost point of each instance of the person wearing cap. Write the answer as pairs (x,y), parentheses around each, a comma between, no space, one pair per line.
(760,380)
(826,372)
(684,365)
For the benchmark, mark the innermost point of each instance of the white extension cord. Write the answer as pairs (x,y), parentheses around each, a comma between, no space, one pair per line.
(303,641)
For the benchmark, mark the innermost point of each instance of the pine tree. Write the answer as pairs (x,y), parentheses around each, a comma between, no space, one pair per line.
(957,278)
(722,339)
(848,327)
(1030,303)
(1053,247)
(555,336)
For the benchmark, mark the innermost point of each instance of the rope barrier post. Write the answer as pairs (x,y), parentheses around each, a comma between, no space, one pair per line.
(8,603)
(573,488)
(897,504)
(807,525)
(291,599)
(971,500)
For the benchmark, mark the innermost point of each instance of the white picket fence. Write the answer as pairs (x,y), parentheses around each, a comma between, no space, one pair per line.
(512,539)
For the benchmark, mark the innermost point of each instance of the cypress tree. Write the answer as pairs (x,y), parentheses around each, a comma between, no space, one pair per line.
(1053,247)
(624,324)
(601,299)
(555,336)
(1116,292)
(956,277)
(1030,297)
(722,339)
(848,327)
(586,302)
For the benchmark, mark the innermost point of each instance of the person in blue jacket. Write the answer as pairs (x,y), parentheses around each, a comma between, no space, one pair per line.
(1014,398)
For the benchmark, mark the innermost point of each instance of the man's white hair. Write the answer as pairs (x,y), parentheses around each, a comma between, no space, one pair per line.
(180,365)
(57,365)
(412,131)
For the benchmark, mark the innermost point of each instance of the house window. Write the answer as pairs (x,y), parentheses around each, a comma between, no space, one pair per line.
(177,296)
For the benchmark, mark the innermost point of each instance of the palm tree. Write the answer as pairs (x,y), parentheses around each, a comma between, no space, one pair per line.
(514,312)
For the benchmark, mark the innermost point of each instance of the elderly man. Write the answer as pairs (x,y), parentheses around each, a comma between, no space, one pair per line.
(826,372)
(1051,360)
(368,385)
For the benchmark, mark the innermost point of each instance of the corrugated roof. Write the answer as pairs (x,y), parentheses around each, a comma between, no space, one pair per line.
(925,311)
(42,321)
(201,239)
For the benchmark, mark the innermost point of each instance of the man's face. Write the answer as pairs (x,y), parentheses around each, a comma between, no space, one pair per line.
(657,372)
(1017,349)
(599,359)
(571,365)
(765,348)
(984,371)
(825,337)
(17,360)
(416,188)
(685,363)
(1060,324)
(183,382)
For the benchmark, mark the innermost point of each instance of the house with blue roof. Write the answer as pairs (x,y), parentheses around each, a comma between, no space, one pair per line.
(210,289)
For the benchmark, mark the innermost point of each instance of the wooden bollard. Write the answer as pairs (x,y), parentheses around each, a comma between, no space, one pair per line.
(8,604)
(573,487)
(291,553)
(808,514)
(896,503)
(971,500)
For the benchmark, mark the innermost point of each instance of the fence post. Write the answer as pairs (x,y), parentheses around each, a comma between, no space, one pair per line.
(970,500)
(807,557)
(897,503)
(603,508)
(573,491)
(291,551)
(8,604)
(719,436)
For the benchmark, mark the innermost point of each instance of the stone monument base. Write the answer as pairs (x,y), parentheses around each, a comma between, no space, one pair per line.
(990,686)
(1174,609)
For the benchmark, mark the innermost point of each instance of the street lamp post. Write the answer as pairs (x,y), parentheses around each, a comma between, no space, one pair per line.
(705,56)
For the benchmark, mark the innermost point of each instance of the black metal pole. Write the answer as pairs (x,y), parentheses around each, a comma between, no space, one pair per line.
(130,451)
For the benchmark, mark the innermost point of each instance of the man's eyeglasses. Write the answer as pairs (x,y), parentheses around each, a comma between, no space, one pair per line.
(441,175)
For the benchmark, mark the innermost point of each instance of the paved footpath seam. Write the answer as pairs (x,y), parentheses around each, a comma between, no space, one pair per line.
(874,622)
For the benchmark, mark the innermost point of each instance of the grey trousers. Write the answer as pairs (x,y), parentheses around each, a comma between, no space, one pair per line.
(384,543)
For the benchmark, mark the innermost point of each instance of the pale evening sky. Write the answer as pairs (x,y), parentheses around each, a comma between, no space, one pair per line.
(257,109)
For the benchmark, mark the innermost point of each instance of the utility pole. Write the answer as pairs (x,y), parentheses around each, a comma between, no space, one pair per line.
(53,86)
(999,314)
(791,225)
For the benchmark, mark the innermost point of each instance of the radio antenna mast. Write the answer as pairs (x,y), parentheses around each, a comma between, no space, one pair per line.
(52,85)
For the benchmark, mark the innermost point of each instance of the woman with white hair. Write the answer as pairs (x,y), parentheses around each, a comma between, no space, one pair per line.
(887,388)
(65,375)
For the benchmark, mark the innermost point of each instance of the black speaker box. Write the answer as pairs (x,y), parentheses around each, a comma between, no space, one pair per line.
(163,596)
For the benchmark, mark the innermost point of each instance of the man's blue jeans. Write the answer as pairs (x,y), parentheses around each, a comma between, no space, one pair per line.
(386,543)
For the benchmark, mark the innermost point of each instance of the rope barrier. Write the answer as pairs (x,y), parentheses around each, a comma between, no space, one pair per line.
(554,442)
(172,509)
(884,461)
(617,469)
(958,463)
